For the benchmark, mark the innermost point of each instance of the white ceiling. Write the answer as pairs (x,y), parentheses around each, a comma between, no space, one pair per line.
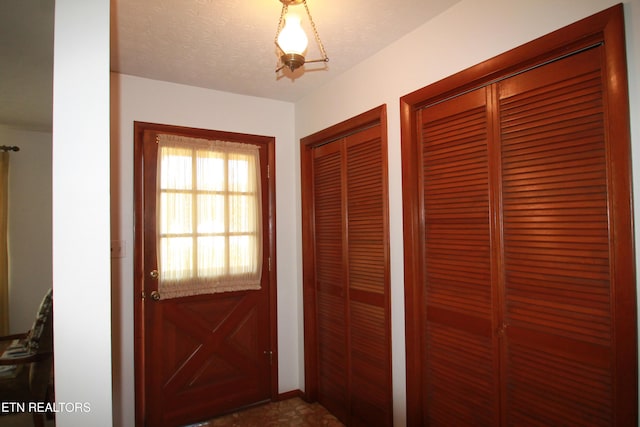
(226,45)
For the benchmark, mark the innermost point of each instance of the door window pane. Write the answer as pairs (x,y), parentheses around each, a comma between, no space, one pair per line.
(210,219)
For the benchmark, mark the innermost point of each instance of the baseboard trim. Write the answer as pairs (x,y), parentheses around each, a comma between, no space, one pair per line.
(290,395)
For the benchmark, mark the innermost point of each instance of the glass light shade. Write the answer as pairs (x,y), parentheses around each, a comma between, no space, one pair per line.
(292,38)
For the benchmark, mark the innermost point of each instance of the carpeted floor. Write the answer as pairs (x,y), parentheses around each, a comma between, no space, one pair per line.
(287,413)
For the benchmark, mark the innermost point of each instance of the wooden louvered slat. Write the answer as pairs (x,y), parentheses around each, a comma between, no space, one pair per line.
(458,377)
(370,376)
(331,328)
(366,219)
(457,264)
(456,200)
(557,390)
(556,240)
(332,392)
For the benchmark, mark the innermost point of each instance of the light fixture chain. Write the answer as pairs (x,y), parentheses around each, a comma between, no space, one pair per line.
(285,7)
(315,32)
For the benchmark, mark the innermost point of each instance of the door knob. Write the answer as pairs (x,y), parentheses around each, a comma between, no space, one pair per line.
(153,274)
(155,295)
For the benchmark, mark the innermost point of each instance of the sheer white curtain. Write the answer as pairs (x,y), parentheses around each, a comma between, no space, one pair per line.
(4,256)
(209,216)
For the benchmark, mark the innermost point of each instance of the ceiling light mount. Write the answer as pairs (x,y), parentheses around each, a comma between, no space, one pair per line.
(291,39)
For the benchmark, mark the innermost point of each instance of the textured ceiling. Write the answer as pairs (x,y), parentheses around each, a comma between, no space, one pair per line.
(226,45)
(229,44)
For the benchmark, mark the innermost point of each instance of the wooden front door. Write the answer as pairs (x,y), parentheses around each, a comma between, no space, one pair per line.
(198,356)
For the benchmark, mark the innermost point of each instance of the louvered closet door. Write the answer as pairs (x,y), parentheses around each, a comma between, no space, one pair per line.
(330,280)
(458,371)
(558,309)
(524,264)
(367,266)
(351,275)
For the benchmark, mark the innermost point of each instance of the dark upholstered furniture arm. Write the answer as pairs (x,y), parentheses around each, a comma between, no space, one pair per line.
(21,360)
(14,337)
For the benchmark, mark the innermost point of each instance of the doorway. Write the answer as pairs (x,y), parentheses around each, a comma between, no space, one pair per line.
(205,288)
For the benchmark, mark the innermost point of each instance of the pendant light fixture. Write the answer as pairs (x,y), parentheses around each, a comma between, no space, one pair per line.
(291,39)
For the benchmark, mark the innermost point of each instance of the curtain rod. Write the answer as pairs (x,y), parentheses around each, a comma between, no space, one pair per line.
(9,148)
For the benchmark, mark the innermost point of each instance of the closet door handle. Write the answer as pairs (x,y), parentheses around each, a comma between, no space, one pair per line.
(502,329)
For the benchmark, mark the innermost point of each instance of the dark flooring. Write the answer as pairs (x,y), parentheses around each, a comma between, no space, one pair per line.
(287,413)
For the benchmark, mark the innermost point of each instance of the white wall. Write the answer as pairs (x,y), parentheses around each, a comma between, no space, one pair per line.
(468,33)
(29,224)
(81,270)
(138,99)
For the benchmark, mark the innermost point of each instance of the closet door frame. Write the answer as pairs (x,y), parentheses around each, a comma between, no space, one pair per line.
(606,27)
(375,116)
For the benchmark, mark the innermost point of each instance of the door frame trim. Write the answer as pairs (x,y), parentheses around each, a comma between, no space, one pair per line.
(606,27)
(268,142)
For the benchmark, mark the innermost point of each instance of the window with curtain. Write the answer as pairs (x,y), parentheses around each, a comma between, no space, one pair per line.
(209,219)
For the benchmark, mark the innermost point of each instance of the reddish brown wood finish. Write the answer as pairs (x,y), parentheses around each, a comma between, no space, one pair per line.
(346,269)
(458,262)
(197,357)
(557,265)
(561,350)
